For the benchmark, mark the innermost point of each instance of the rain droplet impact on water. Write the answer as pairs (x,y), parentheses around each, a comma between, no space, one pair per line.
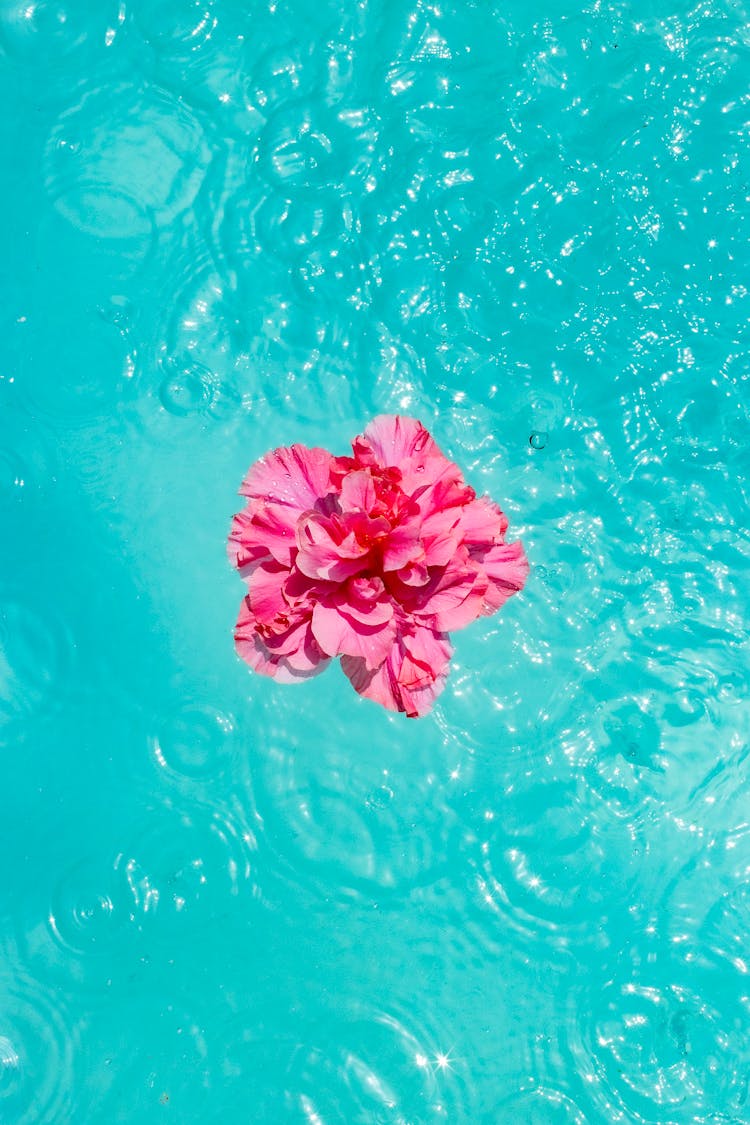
(187,389)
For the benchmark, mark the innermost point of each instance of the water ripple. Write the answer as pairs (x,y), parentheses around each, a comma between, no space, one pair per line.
(722,934)
(87,912)
(375,1069)
(543,867)
(188,387)
(651,1050)
(187,861)
(196,741)
(292,223)
(201,371)
(543,1103)
(204,320)
(331,149)
(124,161)
(44,33)
(172,27)
(35,659)
(38,1042)
(359,1066)
(353,825)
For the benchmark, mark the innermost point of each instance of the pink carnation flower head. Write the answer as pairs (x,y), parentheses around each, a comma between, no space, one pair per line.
(374,558)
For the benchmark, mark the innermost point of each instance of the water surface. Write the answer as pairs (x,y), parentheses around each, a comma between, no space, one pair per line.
(230,227)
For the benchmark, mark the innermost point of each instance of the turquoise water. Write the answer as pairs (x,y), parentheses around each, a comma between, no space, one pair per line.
(232,226)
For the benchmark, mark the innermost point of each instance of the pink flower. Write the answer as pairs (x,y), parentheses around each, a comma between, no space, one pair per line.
(373,558)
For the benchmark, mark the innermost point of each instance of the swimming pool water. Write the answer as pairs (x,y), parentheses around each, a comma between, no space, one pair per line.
(232,226)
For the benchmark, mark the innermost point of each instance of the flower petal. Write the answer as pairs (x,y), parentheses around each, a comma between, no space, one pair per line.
(340,634)
(281,486)
(272,528)
(358,492)
(414,574)
(410,678)
(293,477)
(507,569)
(451,599)
(365,599)
(244,547)
(427,654)
(435,483)
(323,555)
(266,592)
(393,439)
(483,524)
(404,446)
(403,546)
(288,657)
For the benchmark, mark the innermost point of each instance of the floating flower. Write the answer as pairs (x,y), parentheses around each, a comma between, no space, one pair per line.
(374,558)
